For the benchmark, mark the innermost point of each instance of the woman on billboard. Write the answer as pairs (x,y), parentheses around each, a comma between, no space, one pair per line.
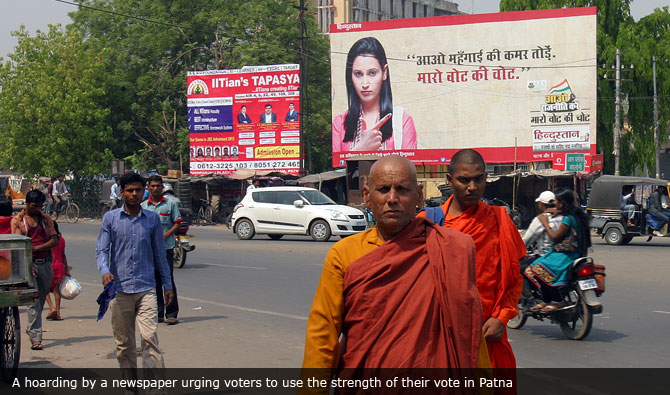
(372,122)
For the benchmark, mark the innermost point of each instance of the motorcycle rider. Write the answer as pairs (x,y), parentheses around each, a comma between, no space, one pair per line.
(572,240)
(536,239)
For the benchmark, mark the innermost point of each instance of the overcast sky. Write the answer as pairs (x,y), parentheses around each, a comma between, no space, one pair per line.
(38,14)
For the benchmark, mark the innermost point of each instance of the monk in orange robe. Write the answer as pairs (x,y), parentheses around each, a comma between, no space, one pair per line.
(499,249)
(399,295)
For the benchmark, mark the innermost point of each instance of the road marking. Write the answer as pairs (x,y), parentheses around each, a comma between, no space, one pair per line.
(232,306)
(247,309)
(238,267)
(660,311)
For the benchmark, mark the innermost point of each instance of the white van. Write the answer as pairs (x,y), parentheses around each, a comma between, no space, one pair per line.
(278,211)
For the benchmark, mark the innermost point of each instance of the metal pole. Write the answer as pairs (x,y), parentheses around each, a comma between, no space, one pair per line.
(617,114)
(656,147)
(302,87)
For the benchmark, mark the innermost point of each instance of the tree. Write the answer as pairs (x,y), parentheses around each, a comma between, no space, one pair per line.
(146,62)
(613,15)
(50,118)
(639,42)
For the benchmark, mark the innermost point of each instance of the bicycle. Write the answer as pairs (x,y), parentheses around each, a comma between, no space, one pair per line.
(70,210)
(205,213)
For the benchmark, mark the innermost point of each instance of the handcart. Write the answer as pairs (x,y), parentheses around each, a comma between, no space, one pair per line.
(16,289)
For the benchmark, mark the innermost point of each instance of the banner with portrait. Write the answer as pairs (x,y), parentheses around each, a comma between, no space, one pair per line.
(516,86)
(244,119)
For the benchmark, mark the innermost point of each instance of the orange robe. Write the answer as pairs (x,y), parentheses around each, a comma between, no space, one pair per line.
(499,249)
(395,304)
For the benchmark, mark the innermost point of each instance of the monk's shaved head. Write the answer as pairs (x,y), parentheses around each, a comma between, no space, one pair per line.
(393,161)
(392,194)
(466,157)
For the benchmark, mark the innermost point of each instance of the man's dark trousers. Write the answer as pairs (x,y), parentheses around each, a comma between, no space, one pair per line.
(171,310)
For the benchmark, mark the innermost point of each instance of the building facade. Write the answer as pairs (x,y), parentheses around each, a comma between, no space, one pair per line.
(349,11)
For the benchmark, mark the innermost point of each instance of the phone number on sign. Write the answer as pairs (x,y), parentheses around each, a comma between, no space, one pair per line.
(267,164)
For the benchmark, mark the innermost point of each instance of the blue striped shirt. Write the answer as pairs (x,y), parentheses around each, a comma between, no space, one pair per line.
(130,248)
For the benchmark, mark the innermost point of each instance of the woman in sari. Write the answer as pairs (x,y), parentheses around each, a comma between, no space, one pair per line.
(572,240)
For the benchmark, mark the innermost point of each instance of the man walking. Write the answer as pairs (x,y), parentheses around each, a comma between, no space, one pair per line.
(115,193)
(399,295)
(499,249)
(130,249)
(40,228)
(168,211)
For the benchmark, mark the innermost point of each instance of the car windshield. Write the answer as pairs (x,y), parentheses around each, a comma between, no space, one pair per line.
(316,197)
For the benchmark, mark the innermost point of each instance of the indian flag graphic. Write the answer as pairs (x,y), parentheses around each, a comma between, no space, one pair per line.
(561,87)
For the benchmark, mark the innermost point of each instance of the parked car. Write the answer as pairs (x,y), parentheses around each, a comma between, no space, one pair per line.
(278,211)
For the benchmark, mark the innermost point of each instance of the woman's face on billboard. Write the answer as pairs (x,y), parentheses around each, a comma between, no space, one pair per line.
(368,75)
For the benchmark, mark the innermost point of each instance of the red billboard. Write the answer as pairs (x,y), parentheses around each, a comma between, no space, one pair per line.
(244,119)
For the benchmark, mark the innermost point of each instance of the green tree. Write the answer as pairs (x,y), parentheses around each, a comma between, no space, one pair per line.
(613,15)
(639,42)
(146,63)
(50,118)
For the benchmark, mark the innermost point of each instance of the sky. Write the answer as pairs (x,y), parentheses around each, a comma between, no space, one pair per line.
(38,14)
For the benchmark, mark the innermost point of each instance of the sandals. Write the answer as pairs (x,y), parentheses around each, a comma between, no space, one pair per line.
(52,315)
(553,306)
(36,346)
(538,307)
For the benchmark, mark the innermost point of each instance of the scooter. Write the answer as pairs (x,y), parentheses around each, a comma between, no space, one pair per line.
(586,282)
(182,245)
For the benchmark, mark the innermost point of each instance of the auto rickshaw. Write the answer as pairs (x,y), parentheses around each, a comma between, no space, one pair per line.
(604,206)
(16,289)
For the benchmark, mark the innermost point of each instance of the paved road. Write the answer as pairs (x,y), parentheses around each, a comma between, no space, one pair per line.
(245,303)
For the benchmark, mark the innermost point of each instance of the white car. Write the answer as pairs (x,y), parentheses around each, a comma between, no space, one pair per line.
(278,211)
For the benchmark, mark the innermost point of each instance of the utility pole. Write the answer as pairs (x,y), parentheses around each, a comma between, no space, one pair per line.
(617,114)
(656,147)
(617,107)
(303,83)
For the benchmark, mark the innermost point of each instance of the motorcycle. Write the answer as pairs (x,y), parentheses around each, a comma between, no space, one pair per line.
(586,282)
(182,245)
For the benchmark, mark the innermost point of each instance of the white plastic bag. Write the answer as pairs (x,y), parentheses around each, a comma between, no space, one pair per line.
(69,288)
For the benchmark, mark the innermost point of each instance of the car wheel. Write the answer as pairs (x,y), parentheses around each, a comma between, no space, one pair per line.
(613,236)
(320,230)
(274,236)
(244,229)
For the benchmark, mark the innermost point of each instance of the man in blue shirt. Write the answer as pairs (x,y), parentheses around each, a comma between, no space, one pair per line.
(168,211)
(130,248)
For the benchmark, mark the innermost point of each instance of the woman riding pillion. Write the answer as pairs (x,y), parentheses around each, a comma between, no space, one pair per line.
(572,240)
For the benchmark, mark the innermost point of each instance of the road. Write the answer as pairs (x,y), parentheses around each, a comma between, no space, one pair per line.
(245,304)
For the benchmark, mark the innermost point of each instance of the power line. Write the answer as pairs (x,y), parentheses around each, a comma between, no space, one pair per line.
(139,18)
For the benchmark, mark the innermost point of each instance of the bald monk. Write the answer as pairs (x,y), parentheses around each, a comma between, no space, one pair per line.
(402,294)
(499,249)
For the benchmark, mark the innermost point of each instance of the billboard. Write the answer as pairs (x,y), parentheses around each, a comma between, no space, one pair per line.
(244,119)
(515,86)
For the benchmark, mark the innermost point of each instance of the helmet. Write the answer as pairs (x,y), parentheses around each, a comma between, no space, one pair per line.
(167,188)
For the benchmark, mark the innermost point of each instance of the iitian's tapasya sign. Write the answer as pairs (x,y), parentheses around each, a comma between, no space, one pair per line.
(247,118)
(515,86)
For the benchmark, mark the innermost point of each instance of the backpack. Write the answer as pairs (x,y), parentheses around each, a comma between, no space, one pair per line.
(434,215)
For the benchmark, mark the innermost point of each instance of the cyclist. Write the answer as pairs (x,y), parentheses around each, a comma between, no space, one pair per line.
(59,194)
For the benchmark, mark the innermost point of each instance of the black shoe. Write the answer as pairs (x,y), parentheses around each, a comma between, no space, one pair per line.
(161,320)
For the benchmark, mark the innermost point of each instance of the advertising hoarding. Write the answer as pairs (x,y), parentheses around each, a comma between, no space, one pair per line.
(244,119)
(516,86)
